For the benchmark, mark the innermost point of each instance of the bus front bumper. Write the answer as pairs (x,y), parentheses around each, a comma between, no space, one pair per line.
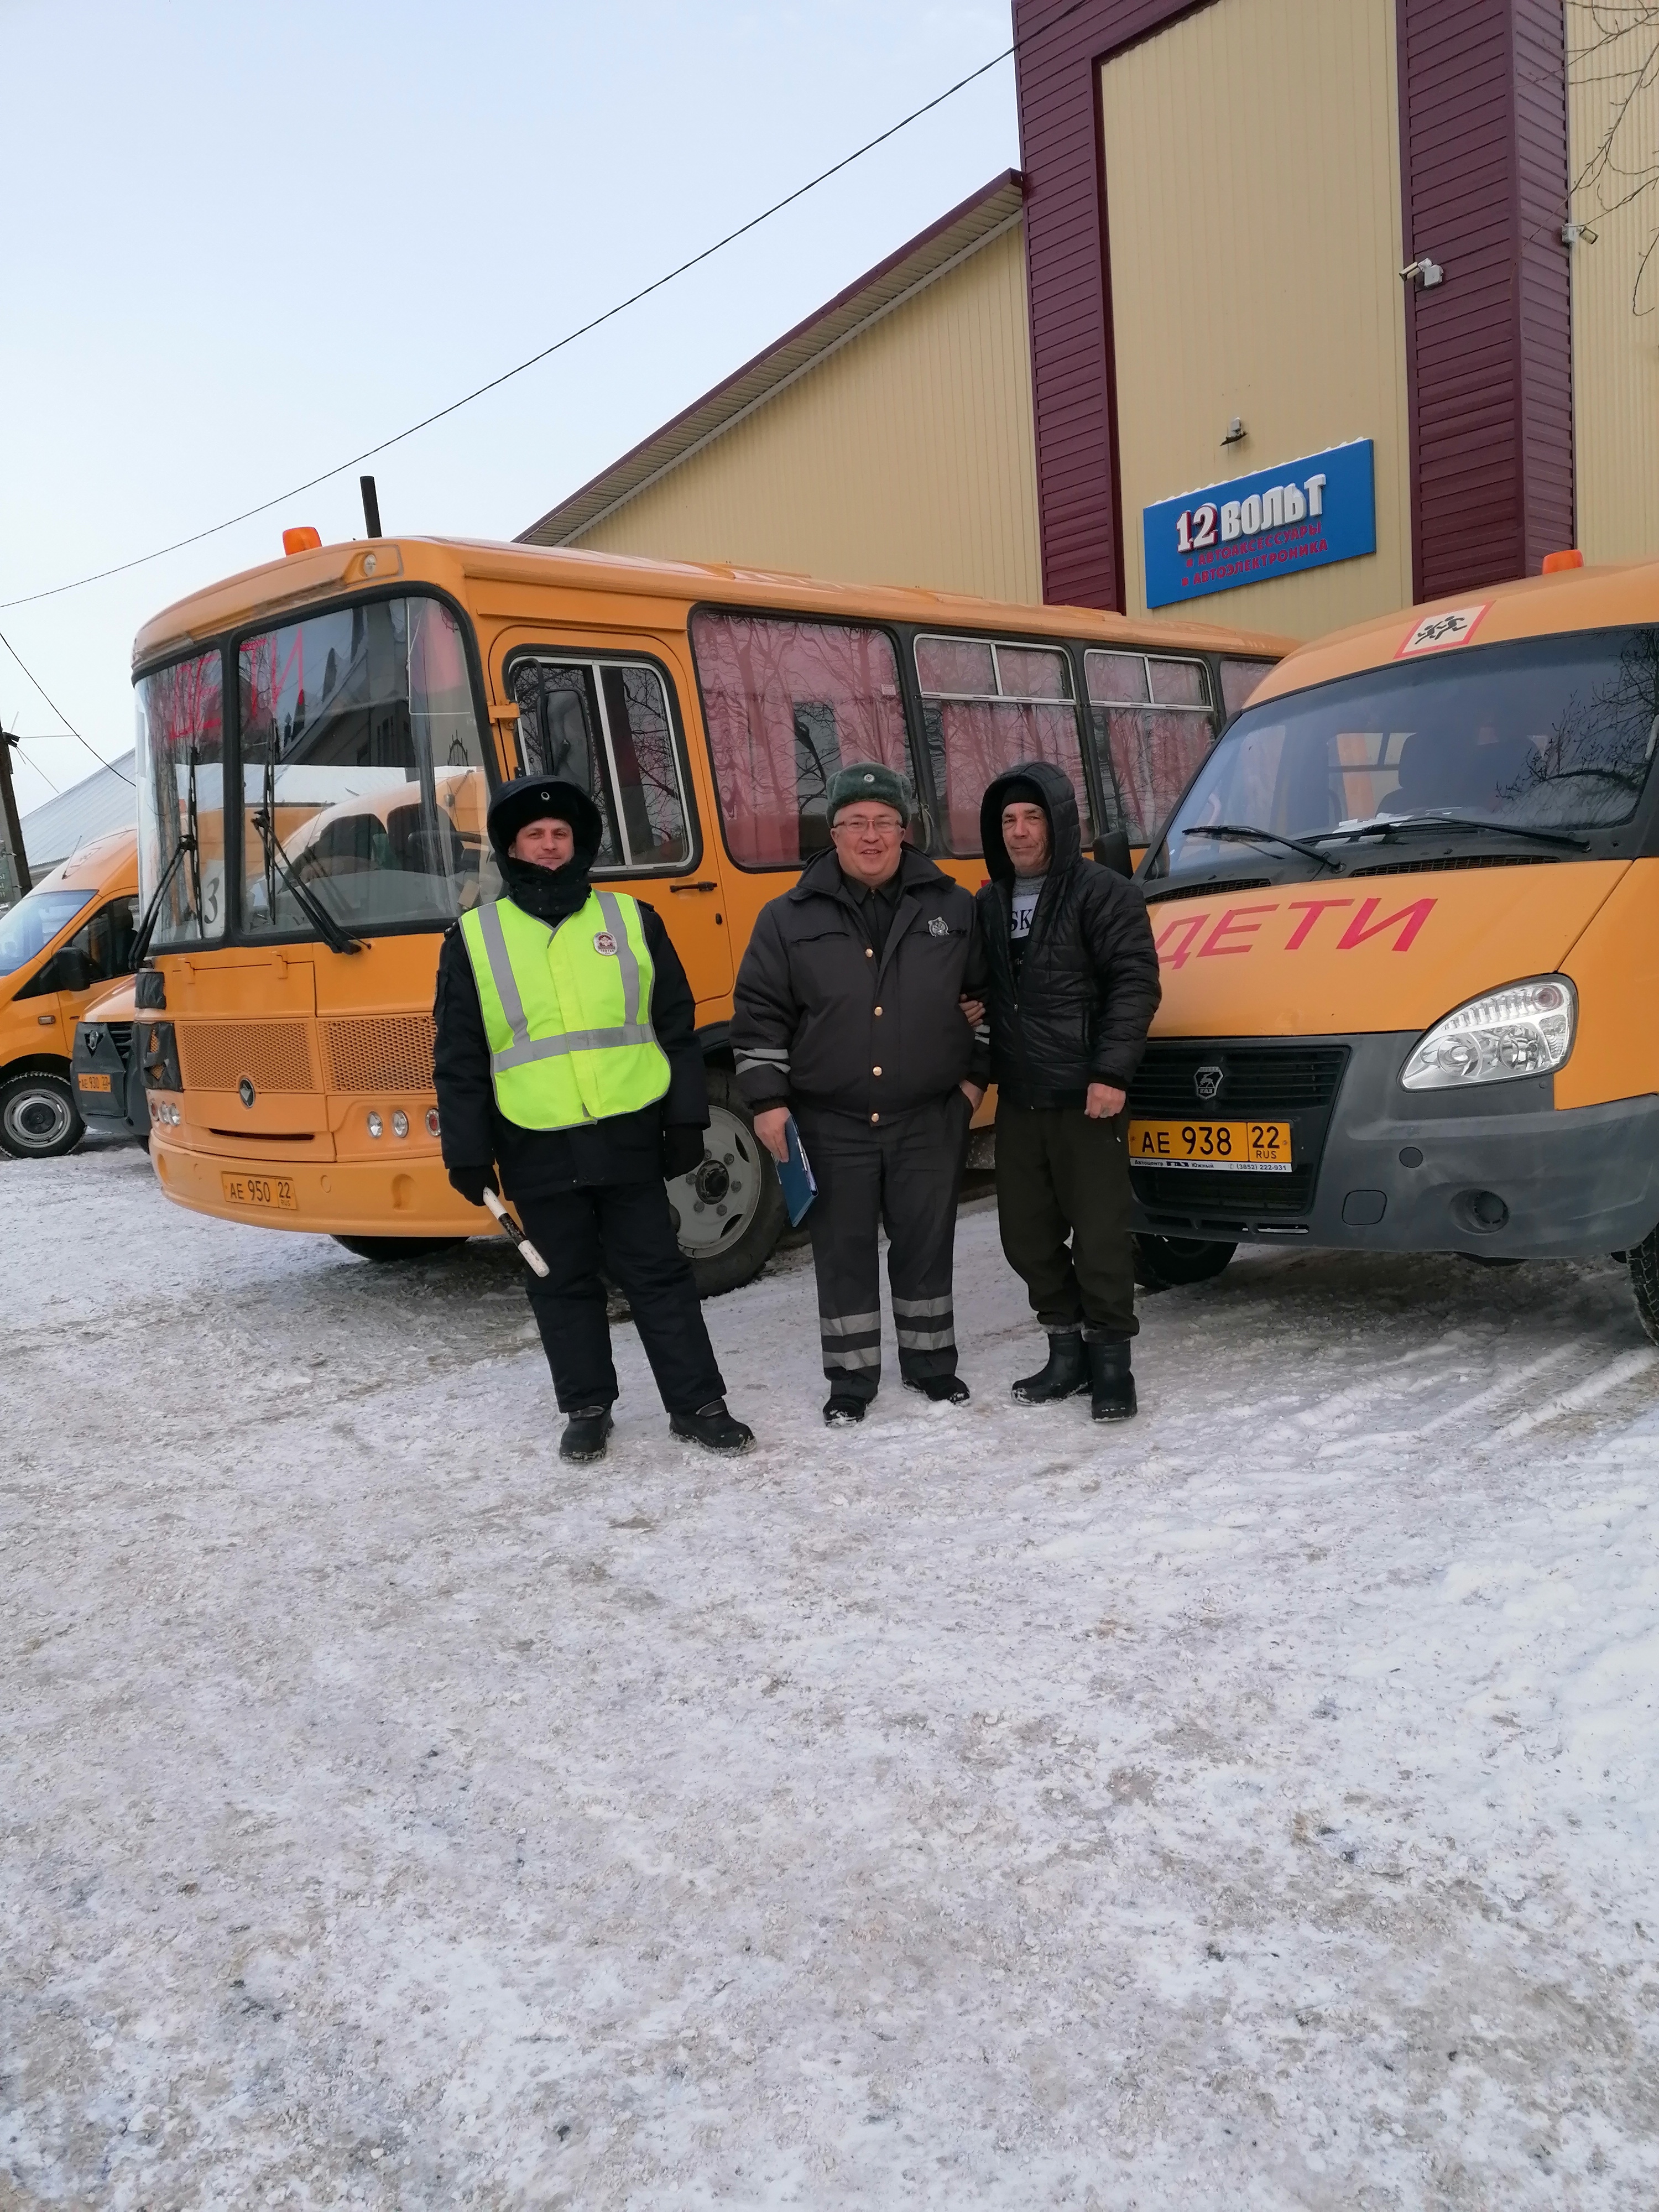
(410,1197)
(1497,1171)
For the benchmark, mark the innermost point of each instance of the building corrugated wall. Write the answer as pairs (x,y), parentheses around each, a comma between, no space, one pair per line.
(1615,349)
(903,456)
(1288,108)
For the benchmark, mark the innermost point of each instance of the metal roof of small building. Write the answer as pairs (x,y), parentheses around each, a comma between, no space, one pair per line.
(104,801)
(877,290)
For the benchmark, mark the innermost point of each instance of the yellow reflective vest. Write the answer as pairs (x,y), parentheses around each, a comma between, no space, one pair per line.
(567,1011)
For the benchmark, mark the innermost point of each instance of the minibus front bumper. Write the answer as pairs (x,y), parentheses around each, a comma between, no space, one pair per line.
(1497,1170)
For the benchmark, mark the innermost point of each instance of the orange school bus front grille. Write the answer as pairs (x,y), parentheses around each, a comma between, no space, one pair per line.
(392,1051)
(274,1056)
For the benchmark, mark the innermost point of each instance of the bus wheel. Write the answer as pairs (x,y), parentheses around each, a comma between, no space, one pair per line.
(38,1115)
(400,1248)
(1644,1281)
(729,1212)
(1164,1263)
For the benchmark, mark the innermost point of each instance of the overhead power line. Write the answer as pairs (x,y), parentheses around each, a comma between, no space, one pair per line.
(340,468)
(58,711)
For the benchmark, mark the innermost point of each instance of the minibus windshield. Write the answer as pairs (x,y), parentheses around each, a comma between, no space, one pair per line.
(1540,738)
(34,922)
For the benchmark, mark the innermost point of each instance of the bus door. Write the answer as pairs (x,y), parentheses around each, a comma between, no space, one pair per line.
(612,722)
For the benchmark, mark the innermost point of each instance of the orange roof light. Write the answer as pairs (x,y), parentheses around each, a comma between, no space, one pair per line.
(305,539)
(1554,562)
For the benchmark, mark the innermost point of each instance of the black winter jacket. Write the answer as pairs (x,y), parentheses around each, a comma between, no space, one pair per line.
(1088,985)
(537,1162)
(821,1020)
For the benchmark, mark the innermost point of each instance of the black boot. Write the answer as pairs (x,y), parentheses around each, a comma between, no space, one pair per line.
(841,1409)
(584,1433)
(712,1427)
(1111,1385)
(1066,1373)
(942,1390)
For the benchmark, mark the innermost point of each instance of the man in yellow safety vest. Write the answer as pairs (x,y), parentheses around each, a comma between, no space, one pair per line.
(566,1056)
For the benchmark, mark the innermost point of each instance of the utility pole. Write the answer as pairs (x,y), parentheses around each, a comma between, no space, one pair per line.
(14,860)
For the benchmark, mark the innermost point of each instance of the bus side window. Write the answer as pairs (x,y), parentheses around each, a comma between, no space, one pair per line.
(787,702)
(987,705)
(1153,722)
(606,727)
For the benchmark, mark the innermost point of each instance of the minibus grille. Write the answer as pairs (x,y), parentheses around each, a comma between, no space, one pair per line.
(1222,883)
(272,1055)
(1461,860)
(120,1036)
(1293,1083)
(391,1053)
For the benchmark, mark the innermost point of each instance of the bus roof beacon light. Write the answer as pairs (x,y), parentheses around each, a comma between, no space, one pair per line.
(302,539)
(1525,1028)
(1555,563)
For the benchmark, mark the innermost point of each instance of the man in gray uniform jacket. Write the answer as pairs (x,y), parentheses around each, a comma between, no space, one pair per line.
(846,1013)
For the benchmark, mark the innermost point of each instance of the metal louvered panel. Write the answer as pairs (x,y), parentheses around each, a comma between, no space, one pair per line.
(1254,1078)
(120,1036)
(274,1056)
(392,1051)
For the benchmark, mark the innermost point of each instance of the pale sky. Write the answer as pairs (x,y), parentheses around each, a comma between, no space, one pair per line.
(238,244)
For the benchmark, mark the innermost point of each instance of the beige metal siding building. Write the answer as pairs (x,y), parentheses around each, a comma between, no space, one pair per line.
(888,439)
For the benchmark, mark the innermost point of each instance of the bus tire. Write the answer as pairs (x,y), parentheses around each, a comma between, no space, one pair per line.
(728,1213)
(389,1249)
(38,1117)
(1643,1264)
(1167,1263)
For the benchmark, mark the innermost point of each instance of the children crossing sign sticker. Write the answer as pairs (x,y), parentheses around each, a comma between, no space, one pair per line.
(1301,514)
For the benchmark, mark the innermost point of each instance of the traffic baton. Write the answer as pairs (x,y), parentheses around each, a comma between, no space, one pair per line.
(527,1252)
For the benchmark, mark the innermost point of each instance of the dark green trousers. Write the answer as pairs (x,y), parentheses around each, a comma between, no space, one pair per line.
(1063,1209)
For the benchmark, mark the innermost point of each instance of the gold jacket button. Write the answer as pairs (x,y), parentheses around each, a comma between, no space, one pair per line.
(869,953)
(875,1071)
(878,1009)
(875,1117)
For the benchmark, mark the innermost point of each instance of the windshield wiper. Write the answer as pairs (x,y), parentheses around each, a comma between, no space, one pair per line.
(1244,833)
(188,848)
(1386,825)
(265,821)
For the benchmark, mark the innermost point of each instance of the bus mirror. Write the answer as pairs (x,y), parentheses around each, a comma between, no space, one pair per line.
(1112,851)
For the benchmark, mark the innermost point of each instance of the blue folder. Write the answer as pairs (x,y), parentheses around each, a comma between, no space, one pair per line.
(795,1176)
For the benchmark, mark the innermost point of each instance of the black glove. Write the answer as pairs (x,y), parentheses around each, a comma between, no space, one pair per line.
(473,1183)
(682,1150)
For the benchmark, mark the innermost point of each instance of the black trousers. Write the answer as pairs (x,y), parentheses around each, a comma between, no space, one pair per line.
(626,1229)
(905,1173)
(1060,1175)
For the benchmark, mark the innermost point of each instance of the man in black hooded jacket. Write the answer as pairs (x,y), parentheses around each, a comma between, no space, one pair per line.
(589,1194)
(1072,988)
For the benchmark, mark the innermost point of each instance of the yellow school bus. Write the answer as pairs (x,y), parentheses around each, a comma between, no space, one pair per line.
(317,740)
(60,948)
(1407,918)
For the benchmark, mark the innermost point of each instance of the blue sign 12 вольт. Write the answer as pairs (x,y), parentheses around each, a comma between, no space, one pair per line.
(1302,514)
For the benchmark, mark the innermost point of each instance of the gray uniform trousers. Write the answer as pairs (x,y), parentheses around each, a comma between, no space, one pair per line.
(906,1172)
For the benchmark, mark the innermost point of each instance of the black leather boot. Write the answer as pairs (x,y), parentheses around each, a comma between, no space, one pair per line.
(841,1409)
(584,1433)
(1066,1373)
(942,1390)
(712,1427)
(1111,1385)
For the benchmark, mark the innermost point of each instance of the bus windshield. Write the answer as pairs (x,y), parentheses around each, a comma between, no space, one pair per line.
(180,763)
(363,783)
(1550,736)
(34,922)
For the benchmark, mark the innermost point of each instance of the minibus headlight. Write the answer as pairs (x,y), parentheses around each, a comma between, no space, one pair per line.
(1525,1028)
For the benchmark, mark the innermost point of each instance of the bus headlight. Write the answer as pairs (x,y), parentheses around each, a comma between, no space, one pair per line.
(1525,1028)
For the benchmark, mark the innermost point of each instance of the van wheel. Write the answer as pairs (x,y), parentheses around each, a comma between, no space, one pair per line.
(1644,1281)
(728,1213)
(39,1118)
(1165,1263)
(391,1248)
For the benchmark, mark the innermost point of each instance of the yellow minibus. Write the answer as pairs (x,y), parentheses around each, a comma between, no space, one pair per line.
(1407,917)
(61,947)
(317,740)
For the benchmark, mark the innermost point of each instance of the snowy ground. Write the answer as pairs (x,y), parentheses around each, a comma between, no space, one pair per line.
(1253,1807)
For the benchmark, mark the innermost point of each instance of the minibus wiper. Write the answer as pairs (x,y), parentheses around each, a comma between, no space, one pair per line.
(1385,825)
(1244,833)
(265,821)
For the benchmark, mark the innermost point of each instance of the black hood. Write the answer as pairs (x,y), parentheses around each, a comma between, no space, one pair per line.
(1059,803)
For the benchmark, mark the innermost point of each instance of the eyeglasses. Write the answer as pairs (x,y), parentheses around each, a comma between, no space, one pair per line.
(864,825)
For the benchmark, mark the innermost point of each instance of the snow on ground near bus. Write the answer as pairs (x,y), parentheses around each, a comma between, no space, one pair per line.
(1256,1807)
